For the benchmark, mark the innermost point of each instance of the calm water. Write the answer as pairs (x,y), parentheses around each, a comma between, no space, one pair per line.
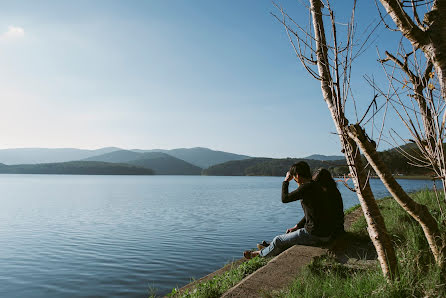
(107,236)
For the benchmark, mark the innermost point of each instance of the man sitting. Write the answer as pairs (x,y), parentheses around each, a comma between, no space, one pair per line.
(313,199)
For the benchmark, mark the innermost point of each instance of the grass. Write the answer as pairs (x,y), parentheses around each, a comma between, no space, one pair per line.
(326,277)
(351,209)
(412,177)
(221,283)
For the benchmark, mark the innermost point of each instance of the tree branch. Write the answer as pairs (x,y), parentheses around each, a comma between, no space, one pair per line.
(404,23)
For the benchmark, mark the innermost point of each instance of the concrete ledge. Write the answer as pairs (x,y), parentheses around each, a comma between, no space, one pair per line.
(278,273)
(283,269)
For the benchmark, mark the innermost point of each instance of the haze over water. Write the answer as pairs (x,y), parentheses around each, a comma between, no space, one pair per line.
(67,235)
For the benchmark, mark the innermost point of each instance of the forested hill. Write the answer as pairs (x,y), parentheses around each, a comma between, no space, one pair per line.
(139,162)
(167,165)
(325,157)
(160,163)
(76,168)
(200,157)
(397,163)
(266,166)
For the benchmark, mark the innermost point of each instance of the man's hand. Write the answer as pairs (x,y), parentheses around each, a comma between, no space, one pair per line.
(293,229)
(288,177)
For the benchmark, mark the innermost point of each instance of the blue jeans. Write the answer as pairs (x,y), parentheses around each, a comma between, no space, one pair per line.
(285,241)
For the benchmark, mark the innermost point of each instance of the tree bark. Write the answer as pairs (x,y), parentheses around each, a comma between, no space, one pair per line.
(376,226)
(375,222)
(435,50)
(418,211)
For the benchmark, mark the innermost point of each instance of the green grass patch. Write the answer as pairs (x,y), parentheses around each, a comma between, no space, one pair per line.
(351,209)
(221,283)
(419,277)
(414,177)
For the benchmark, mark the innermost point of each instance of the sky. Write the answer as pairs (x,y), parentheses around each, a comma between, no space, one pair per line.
(167,74)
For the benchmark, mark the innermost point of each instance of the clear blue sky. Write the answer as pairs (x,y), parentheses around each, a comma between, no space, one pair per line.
(164,74)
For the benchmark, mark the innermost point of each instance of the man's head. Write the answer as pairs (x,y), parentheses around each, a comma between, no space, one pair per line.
(300,171)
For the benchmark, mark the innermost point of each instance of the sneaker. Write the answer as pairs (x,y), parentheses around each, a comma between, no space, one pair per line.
(262,245)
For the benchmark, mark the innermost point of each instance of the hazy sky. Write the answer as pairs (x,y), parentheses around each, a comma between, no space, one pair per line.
(164,74)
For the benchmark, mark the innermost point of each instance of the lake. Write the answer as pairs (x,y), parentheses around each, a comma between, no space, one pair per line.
(128,236)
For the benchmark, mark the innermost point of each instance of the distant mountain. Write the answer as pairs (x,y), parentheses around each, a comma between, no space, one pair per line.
(167,165)
(119,156)
(325,157)
(180,162)
(201,157)
(160,163)
(48,155)
(76,168)
(266,166)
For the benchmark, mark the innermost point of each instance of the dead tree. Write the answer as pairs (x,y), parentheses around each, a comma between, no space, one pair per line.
(428,133)
(415,97)
(429,145)
(417,211)
(424,102)
(334,75)
(429,35)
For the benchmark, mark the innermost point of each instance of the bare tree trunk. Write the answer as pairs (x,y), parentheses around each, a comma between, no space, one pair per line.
(418,211)
(431,40)
(375,222)
(376,226)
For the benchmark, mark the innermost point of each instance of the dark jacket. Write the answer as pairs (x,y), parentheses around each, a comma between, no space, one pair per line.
(335,212)
(314,203)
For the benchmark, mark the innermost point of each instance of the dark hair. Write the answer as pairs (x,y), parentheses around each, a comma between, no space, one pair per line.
(324,178)
(302,169)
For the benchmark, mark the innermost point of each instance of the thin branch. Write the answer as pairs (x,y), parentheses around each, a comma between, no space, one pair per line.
(382,18)
(415,15)
(404,23)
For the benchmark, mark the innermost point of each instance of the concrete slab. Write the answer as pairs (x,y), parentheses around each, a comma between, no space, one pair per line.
(279,272)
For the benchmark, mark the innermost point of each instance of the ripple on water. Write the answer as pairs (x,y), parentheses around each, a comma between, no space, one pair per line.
(122,236)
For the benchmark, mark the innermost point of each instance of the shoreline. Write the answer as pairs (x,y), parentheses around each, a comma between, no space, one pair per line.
(352,216)
(402,177)
(286,258)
